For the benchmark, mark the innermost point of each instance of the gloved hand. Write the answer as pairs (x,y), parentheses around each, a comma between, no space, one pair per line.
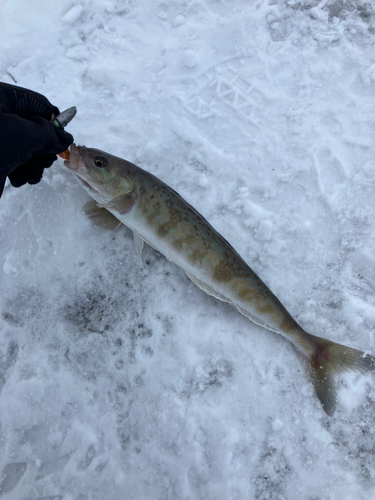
(32,170)
(25,103)
(28,139)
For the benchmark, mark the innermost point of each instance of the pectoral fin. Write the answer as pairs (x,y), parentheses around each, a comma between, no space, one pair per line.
(100,216)
(122,204)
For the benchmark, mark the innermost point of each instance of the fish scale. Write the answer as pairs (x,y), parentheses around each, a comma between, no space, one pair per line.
(159,216)
(173,227)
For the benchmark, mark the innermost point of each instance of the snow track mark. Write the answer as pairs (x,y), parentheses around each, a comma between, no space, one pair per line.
(226,89)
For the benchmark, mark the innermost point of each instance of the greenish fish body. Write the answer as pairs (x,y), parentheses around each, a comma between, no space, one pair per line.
(162,218)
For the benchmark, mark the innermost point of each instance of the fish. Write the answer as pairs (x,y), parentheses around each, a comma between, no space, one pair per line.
(123,193)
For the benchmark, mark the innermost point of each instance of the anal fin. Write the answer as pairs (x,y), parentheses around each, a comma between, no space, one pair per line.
(206,288)
(210,291)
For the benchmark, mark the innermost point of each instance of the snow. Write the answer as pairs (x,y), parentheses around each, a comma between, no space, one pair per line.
(120,380)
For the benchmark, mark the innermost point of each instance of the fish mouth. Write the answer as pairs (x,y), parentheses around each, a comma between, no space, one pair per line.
(76,164)
(74,157)
(84,182)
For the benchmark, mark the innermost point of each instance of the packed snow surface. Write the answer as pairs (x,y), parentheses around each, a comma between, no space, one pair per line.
(122,380)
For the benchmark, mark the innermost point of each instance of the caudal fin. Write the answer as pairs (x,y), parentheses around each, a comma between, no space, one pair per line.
(328,361)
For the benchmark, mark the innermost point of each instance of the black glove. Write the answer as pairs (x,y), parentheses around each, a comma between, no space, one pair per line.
(26,134)
(25,103)
(32,170)
(55,139)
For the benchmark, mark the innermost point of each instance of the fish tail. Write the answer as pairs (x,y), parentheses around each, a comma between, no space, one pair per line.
(328,360)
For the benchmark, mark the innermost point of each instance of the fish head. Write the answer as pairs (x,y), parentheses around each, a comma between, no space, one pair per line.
(101,174)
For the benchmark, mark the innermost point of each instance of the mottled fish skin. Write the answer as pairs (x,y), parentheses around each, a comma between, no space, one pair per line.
(163,219)
(172,226)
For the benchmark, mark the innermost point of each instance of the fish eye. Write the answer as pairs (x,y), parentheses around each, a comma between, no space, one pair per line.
(100,161)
